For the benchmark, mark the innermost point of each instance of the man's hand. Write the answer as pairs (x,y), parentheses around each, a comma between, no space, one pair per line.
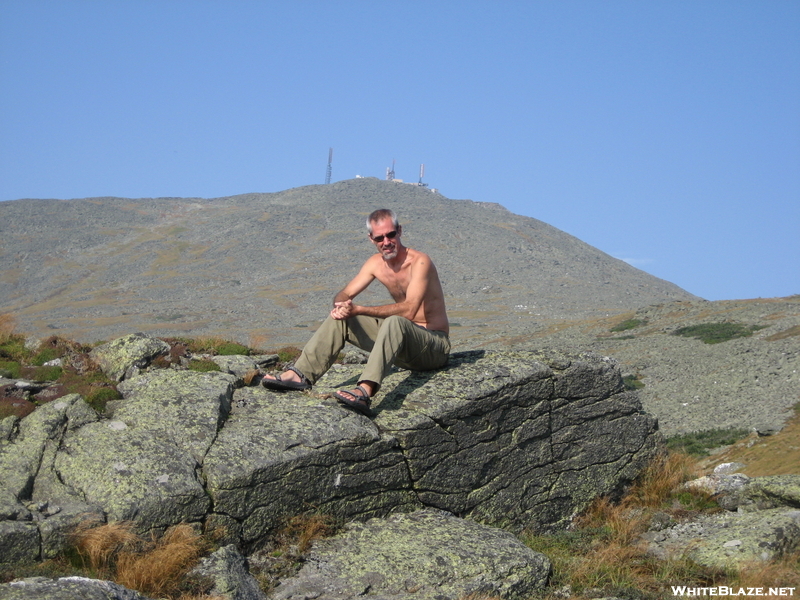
(342,310)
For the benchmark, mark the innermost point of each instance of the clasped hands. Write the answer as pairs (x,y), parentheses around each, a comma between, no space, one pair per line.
(342,310)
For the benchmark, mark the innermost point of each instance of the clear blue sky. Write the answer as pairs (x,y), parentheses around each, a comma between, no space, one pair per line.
(665,133)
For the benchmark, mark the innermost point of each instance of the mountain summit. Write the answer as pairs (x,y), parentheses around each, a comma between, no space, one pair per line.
(265,266)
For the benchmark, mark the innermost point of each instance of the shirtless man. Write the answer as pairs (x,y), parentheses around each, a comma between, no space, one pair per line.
(411,333)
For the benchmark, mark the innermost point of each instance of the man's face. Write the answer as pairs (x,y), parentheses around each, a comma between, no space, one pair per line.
(387,246)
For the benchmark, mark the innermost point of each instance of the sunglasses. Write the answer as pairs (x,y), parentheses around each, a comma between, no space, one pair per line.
(379,238)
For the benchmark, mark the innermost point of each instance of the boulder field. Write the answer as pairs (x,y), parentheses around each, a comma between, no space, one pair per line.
(507,440)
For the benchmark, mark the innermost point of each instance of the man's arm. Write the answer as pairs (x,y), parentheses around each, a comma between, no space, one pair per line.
(345,296)
(358,284)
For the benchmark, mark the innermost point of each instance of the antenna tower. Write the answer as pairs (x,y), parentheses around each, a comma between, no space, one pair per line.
(390,172)
(330,160)
(421,175)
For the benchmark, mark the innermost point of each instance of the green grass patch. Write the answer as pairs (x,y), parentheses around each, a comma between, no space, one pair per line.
(98,398)
(213,346)
(632,382)
(11,369)
(288,354)
(203,366)
(44,355)
(694,501)
(43,373)
(716,333)
(628,324)
(14,349)
(95,388)
(699,443)
(232,348)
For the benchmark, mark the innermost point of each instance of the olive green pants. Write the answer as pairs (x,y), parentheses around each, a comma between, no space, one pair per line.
(391,341)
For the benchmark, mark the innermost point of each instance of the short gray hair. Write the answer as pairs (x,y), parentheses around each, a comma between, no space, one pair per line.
(380,215)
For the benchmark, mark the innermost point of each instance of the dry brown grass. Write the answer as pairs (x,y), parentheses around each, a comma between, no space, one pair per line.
(777,454)
(782,335)
(306,528)
(282,556)
(664,474)
(155,567)
(602,552)
(7,327)
(158,571)
(784,573)
(99,546)
(258,341)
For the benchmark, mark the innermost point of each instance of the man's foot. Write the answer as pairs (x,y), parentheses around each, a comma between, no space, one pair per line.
(357,399)
(290,379)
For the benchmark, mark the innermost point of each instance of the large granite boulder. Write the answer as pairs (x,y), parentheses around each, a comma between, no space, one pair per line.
(512,439)
(424,555)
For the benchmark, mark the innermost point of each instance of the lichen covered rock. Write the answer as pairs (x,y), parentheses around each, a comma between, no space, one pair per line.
(513,439)
(425,555)
(125,356)
(66,588)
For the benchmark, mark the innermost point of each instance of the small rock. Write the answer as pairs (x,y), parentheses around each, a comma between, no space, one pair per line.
(728,468)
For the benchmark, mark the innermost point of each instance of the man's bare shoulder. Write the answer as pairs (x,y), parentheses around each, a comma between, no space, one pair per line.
(372,264)
(419,258)
(416,255)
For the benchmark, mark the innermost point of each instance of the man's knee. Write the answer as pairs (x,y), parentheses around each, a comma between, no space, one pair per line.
(396,325)
(396,321)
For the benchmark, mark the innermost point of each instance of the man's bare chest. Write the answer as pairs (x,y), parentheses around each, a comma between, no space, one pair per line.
(396,283)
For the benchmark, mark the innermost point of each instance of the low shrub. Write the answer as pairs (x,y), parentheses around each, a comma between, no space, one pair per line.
(632,382)
(716,333)
(698,444)
(628,324)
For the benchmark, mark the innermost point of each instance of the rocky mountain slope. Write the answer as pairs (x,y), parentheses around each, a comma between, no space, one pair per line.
(263,267)
(744,383)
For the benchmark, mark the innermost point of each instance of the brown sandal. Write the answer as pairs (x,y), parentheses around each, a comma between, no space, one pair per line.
(358,400)
(282,386)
